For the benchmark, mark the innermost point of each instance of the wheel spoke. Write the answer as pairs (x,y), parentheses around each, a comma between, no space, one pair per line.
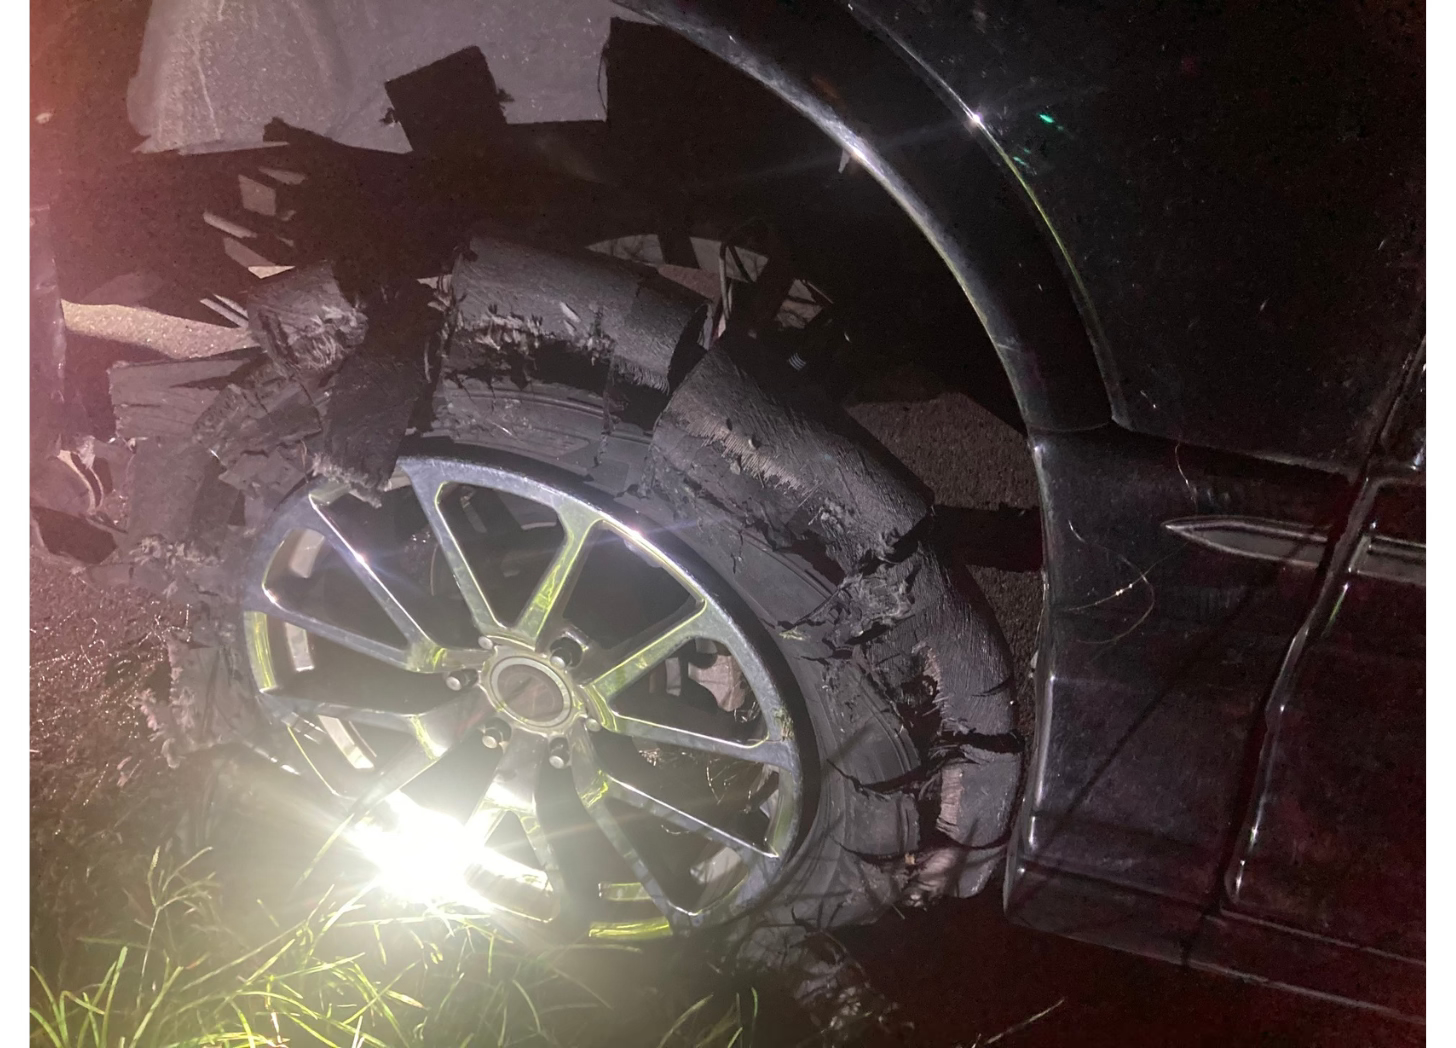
(262,601)
(428,481)
(514,789)
(436,731)
(703,623)
(628,793)
(513,785)
(776,752)
(545,605)
(415,761)
(424,652)
(645,652)
(593,786)
(510,885)
(522,889)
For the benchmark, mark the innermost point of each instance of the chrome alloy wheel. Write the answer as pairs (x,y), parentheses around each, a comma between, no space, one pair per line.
(607,747)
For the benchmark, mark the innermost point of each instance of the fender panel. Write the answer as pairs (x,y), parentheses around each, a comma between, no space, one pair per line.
(1238,188)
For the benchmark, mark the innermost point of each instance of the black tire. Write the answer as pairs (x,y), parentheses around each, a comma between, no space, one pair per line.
(902,671)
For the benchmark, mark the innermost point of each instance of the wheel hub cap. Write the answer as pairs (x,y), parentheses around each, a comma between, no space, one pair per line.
(529,692)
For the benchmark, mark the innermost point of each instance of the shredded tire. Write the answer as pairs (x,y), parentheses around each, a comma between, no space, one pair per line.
(608,372)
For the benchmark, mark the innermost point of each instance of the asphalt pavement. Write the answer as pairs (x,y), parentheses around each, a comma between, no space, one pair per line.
(971,460)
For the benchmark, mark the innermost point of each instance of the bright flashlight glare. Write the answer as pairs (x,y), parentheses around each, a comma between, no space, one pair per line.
(424,858)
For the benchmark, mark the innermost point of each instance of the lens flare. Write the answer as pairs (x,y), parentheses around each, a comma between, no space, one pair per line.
(424,857)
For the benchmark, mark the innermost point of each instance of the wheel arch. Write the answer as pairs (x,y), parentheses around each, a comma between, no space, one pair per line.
(980,219)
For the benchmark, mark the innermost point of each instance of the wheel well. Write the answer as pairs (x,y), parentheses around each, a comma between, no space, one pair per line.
(864,97)
(923,208)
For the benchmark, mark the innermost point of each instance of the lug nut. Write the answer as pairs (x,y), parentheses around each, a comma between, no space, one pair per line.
(495,736)
(461,679)
(592,724)
(565,653)
(558,754)
(486,644)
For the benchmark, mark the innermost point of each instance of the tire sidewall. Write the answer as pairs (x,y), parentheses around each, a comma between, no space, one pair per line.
(852,836)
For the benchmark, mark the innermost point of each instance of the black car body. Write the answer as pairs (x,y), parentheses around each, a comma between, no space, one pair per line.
(1194,235)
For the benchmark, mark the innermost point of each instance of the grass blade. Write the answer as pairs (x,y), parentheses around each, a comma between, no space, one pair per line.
(682,1021)
(47,1028)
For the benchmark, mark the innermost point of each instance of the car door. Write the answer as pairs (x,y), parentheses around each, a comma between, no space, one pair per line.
(1333,843)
